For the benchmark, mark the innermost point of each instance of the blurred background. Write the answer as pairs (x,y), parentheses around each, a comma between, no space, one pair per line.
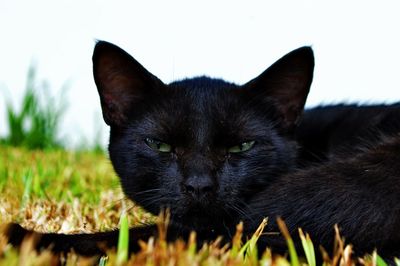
(46,48)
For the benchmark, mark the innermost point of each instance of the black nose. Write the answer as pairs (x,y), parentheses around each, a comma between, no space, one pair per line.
(198,186)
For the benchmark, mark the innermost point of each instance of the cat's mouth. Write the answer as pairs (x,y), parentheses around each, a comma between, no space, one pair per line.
(204,220)
(198,218)
(198,210)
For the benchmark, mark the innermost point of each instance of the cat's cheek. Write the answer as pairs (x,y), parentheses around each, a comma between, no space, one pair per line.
(172,178)
(169,180)
(227,182)
(250,173)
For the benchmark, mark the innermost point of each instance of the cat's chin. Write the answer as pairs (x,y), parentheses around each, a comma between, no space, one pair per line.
(198,223)
(200,219)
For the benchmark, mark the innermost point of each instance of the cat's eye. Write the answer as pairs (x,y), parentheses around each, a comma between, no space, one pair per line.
(158,145)
(242,147)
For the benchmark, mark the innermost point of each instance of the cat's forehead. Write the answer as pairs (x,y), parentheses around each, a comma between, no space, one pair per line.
(203,109)
(203,97)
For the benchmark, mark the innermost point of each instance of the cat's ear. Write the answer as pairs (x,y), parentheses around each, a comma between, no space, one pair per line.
(286,83)
(121,82)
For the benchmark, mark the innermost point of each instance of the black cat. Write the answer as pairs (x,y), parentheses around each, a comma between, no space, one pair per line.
(216,153)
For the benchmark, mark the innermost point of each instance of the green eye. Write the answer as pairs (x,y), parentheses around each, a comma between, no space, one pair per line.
(158,145)
(245,146)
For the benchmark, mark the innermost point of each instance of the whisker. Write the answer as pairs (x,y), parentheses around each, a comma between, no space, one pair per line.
(148,191)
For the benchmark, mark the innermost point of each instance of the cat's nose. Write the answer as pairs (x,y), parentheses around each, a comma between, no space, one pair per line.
(198,186)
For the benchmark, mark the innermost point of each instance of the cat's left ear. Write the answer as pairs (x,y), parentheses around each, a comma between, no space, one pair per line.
(286,84)
(121,81)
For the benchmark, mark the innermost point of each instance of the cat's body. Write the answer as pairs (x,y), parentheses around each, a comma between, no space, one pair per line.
(359,192)
(216,153)
(334,130)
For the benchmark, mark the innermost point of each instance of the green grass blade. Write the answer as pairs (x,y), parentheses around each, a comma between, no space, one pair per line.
(294,259)
(103,261)
(380,261)
(244,248)
(123,240)
(249,251)
(192,246)
(27,178)
(37,188)
(308,247)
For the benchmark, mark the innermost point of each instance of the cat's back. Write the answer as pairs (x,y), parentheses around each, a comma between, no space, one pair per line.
(336,129)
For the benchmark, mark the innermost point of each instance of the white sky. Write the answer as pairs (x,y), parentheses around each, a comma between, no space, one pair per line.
(356,44)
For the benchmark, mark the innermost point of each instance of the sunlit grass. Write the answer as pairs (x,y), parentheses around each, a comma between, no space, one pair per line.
(50,186)
(71,192)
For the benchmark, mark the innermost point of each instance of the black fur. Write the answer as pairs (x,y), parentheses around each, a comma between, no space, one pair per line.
(209,189)
(359,192)
(331,131)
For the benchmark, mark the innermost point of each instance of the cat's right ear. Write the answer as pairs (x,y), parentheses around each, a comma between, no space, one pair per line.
(286,84)
(121,82)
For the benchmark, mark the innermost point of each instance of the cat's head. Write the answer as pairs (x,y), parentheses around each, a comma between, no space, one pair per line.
(201,147)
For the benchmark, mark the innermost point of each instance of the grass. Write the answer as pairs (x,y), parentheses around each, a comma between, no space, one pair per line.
(36,124)
(72,192)
(81,184)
